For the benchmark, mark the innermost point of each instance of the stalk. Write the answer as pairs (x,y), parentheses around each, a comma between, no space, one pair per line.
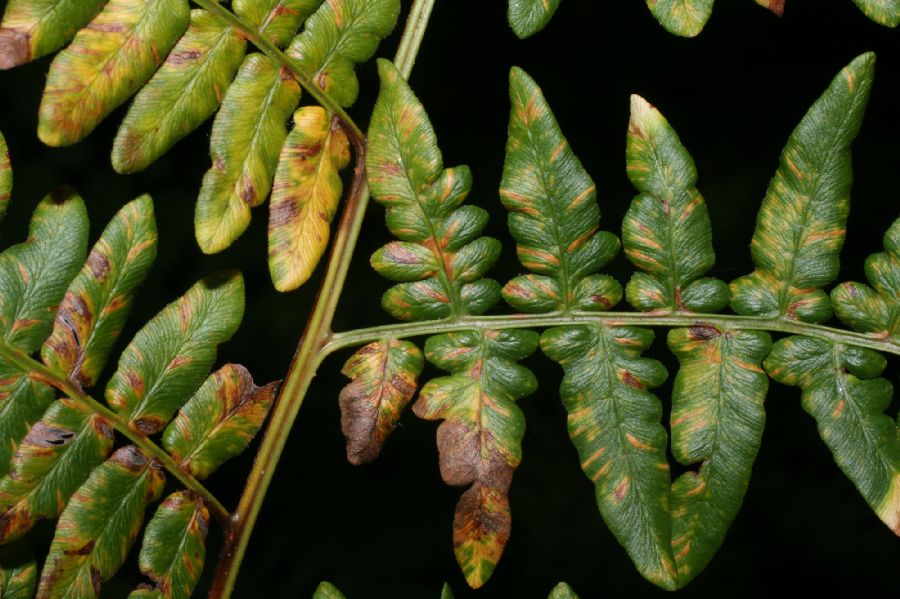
(309,354)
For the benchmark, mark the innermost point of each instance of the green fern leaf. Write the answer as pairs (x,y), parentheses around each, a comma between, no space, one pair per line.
(276,20)
(247,135)
(562,591)
(446,592)
(614,421)
(219,421)
(682,17)
(35,28)
(666,232)
(305,196)
(554,215)
(99,525)
(874,311)
(527,17)
(98,301)
(841,392)
(384,377)
(174,546)
(480,438)
(717,421)
(443,276)
(33,277)
(338,36)
(883,12)
(6,177)
(801,224)
(49,465)
(326,590)
(185,91)
(109,60)
(171,355)
(18,571)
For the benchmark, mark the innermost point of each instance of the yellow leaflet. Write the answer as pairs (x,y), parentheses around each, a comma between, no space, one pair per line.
(305,196)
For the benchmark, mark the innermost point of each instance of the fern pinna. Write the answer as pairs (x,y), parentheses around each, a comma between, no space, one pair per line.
(670,528)
(99,467)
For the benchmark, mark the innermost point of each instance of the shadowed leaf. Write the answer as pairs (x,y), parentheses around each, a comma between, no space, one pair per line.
(277,20)
(423,202)
(35,28)
(98,301)
(841,392)
(109,60)
(527,17)
(174,546)
(337,37)
(480,438)
(170,356)
(305,196)
(883,12)
(554,215)
(51,462)
(446,592)
(247,135)
(776,6)
(384,377)
(6,177)
(682,17)
(185,91)
(801,224)
(874,310)
(614,422)
(666,232)
(219,420)
(18,571)
(99,525)
(717,421)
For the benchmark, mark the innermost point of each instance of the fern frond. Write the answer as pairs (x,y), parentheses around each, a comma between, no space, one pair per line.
(682,17)
(277,20)
(54,460)
(18,571)
(562,591)
(527,17)
(326,590)
(34,28)
(801,225)
(883,12)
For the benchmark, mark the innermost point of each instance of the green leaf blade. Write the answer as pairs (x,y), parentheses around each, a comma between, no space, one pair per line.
(614,422)
(108,61)
(97,302)
(18,571)
(554,215)
(305,196)
(171,355)
(219,421)
(185,91)
(717,420)
(277,20)
(685,18)
(562,591)
(6,177)
(99,525)
(35,28)
(666,232)
(174,545)
(384,379)
(883,12)
(337,37)
(801,224)
(480,437)
(326,590)
(527,17)
(247,135)
(841,392)
(50,464)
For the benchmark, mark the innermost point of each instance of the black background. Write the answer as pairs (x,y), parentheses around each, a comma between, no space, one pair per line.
(734,94)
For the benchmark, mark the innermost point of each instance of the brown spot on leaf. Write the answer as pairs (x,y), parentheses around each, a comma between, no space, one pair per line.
(631,380)
(481,513)
(147,425)
(622,489)
(15,48)
(135,382)
(131,458)
(283,213)
(85,549)
(703,333)
(42,435)
(96,579)
(183,57)
(600,299)
(459,452)
(99,265)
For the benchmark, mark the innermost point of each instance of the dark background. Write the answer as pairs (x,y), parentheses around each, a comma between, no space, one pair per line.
(384,530)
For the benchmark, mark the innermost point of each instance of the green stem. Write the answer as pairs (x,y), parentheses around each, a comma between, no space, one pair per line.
(316,336)
(40,372)
(271,50)
(521,321)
